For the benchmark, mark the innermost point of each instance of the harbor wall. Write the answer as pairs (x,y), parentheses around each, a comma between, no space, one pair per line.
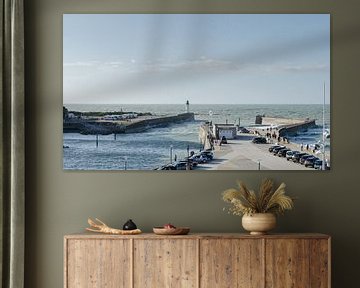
(110,127)
(280,121)
(286,126)
(158,122)
(93,127)
(295,128)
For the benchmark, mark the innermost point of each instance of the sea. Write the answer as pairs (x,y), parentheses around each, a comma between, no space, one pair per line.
(153,148)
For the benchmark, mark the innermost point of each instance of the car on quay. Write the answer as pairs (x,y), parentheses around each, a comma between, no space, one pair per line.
(296,157)
(309,162)
(289,154)
(259,140)
(272,147)
(304,158)
(223,140)
(282,152)
(276,150)
(207,154)
(202,157)
(199,159)
(244,130)
(318,165)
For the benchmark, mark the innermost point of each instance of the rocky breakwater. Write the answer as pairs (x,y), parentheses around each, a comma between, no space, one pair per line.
(93,127)
(103,127)
(143,125)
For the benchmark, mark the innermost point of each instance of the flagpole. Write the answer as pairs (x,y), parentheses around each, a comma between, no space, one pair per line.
(323,134)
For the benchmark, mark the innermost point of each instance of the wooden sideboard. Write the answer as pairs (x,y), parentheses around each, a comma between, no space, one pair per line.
(197,260)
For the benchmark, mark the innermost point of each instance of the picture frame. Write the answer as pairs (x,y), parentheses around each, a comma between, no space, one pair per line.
(116,92)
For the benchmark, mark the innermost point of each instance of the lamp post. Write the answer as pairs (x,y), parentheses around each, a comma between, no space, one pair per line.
(125,163)
(211,130)
(188,155)
(171,150)
(323,132)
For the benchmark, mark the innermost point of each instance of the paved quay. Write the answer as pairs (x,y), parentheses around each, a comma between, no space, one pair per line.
(242,154)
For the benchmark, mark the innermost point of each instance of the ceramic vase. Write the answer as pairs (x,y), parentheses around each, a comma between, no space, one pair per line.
(259,223)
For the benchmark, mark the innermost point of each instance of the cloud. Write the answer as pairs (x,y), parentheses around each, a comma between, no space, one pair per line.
(200,64)
(289,68)
(127,79)
(82,64)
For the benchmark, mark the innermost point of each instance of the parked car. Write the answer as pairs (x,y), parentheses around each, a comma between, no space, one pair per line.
(289,154)
(208,154)
(199,158)
(223,140)
(272,147)
(318,165)
(276,150)
(304,157)
(259,140)
(309,162)
(244,130)
(296,157)
(282,152)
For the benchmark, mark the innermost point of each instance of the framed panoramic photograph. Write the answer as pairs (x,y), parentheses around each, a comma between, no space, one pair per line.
(196,92)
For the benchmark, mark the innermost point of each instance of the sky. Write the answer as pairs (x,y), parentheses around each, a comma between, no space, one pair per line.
(203,58)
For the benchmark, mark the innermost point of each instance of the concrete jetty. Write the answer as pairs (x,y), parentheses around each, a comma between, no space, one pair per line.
(286,126)
(278,125)
(241,154)
(139,124)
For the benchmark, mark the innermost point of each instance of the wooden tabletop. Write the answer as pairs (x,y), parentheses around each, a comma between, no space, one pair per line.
(89,235)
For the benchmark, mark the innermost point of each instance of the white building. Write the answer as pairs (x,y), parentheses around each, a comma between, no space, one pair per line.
(227,130)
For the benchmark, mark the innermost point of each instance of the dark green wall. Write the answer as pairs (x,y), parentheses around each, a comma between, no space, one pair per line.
(59,202)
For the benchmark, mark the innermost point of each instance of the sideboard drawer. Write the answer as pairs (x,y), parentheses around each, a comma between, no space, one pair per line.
(165,263)
(231,263)
(98,263)
(297,263)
